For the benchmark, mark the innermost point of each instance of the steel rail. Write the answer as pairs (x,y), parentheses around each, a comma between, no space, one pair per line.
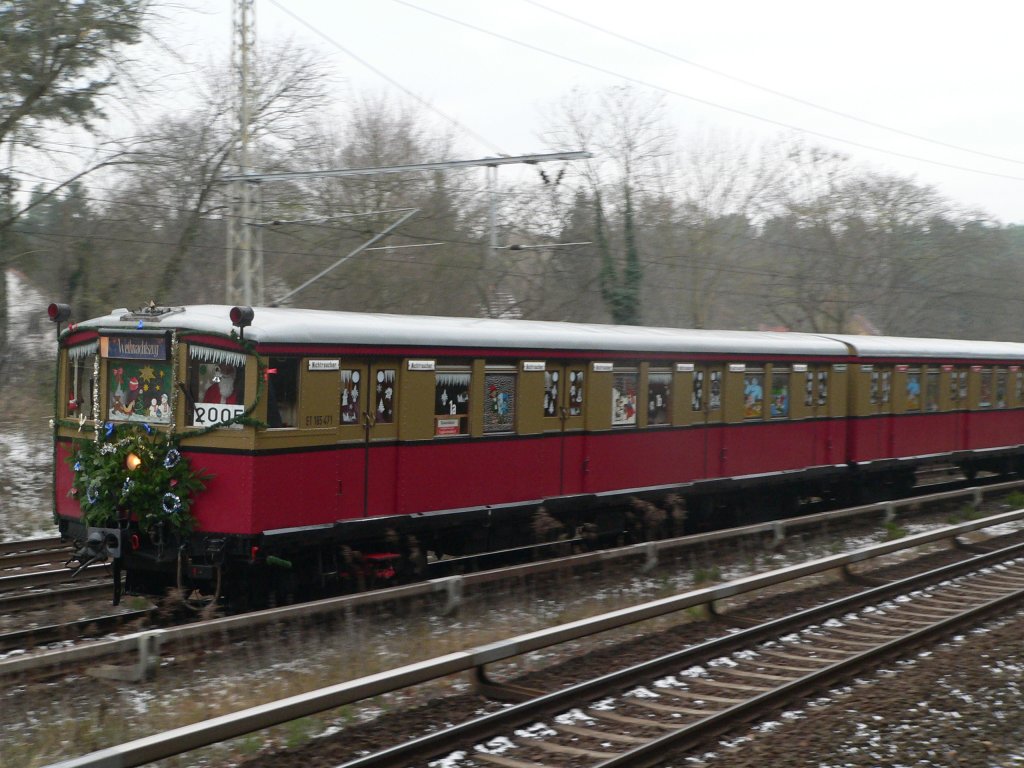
(31,545)
(569,696)
(655,752)
(12,583)
(49,633)
(214,730)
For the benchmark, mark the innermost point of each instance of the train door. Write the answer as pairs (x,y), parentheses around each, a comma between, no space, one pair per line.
(959,404)
(707,401)
(813,381)
(880,407)
(565,394)
(366,436)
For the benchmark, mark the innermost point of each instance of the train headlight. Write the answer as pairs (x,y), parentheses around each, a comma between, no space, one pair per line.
(240,318)
(58,313)
(133,462)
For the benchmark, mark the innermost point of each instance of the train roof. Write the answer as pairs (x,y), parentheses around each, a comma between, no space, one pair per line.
(881,347)
(279,325)
(285,325)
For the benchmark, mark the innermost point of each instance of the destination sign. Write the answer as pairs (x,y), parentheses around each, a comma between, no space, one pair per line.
(134,347)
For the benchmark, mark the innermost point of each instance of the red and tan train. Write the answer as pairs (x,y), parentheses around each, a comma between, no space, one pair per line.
(325,439)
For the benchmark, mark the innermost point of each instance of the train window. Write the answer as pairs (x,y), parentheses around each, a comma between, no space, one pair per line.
(139,390)
(552,380)
(216,385)
(779,406)
(715,394)
(931,397)
(962,390)
(500,407)
(451,403)
(809,388)
(282,392)
(1020,387)
(697,399)
(576,392)
(954,384)
(1000,388)
(881,386)
(624,398)
(351,389)
(985,398)
(753,394)
(822,387)
(659,397)
(384,396)
(914,389)
(82,374)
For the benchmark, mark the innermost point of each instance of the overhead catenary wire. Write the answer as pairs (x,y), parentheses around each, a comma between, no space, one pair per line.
(768,89)
(705,102)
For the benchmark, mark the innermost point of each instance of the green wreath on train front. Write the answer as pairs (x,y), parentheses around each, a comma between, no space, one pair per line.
(131,472)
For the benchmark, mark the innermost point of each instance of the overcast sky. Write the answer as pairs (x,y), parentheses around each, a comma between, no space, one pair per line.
(928,90)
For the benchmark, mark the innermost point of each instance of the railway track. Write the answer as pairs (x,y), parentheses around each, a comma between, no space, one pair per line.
(34,581)
(750,670)
(639,716)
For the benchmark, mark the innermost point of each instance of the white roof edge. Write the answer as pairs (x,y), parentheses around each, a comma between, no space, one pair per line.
(929,348)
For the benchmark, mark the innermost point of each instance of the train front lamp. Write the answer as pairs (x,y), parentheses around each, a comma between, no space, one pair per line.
(58,313)
(240,318)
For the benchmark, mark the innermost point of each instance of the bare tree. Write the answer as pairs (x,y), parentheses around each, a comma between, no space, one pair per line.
(631,140)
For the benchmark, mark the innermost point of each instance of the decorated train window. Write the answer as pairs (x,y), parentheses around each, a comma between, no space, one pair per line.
(697,398)
(957,384)
(624,386)
(140,378)
(753,394)
(500,402)
(985,398)
(82,374)
(881,385)
(552,381)
(816,387)
(575,391)
(216,385)
(282,392)
(384,396)
(914,389)
(1000,388)
(451,403)
(931,396)
(659,397)
(351,391)
(715,390)
(778,408)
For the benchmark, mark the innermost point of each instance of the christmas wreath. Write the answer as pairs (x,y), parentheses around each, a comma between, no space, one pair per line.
(130,471)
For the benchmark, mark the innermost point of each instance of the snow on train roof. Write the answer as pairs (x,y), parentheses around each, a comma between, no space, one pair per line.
(920,348)
(308,326)
(277,325)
